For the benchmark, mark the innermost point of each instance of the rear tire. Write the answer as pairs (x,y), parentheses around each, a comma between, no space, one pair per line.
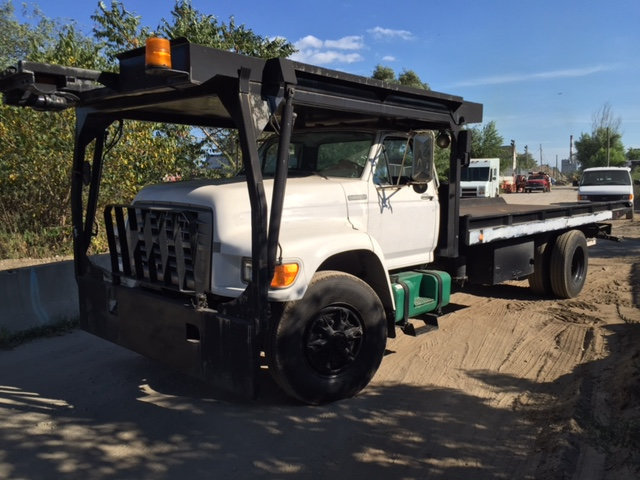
(569,264)
(540,279)
(328,345)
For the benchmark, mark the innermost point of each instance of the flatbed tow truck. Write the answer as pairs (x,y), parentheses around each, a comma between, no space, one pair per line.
(336,233)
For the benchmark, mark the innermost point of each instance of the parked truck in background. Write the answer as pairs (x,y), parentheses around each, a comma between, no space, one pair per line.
(481,178)
(538,181)
(336,233)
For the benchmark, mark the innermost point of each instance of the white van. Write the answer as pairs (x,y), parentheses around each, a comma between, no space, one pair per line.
(481,178)
(607,184)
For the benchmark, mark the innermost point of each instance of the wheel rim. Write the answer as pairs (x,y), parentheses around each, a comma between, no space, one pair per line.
(333,339)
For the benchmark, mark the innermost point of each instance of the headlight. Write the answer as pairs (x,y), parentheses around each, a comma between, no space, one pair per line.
(481,191)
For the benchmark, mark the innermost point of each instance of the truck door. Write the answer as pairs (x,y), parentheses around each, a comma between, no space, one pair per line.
(402,220)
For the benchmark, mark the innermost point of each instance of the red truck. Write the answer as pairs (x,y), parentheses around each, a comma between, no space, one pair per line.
(538,181)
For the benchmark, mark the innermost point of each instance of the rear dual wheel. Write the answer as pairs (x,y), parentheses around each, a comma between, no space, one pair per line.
(540,279)
(328,345)
(560,266)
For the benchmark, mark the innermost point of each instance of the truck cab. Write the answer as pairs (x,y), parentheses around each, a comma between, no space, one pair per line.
(348,190)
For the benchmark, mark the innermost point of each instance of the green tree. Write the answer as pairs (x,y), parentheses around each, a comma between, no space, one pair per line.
(38,146)
(486,142)
(17,40)
(121,29)
(525,162)
(385,74)
(407,78)
(603,146)
(633,154)
(441,159)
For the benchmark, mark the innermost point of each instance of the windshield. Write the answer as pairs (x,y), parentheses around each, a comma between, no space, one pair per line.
(332,154)
(606,177)
(536,177)
(474,174)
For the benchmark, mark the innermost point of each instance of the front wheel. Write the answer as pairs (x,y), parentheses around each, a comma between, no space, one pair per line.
(569,264)
(328,345)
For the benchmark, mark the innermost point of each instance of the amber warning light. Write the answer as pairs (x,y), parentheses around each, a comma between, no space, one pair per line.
(158,53)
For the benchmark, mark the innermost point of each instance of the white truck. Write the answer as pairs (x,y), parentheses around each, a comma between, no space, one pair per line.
(336,233)
(481,178)
(599,184)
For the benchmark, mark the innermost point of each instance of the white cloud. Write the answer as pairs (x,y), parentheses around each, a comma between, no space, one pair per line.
(388,58)
(351,42)
(523,77)
(321,52)
(380,33)
(308,42)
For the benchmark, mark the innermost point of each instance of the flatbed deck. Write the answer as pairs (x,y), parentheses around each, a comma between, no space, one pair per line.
(486,220)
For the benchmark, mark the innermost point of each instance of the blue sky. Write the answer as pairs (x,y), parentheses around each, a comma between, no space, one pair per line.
(541,68)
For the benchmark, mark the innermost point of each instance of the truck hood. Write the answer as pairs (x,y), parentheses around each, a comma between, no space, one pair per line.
(305,199)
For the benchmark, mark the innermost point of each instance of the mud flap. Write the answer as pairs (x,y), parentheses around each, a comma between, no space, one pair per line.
(219,349)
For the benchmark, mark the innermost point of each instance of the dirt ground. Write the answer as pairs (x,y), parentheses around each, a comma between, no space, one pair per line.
(510,386)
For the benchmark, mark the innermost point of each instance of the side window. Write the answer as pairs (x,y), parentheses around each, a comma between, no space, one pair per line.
(269,160)
(343,158)
(395,162)
(271,157)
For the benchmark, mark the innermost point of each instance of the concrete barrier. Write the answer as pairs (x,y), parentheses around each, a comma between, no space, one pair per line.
(37,296)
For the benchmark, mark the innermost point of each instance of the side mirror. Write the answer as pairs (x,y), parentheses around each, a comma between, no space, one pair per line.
(422,171)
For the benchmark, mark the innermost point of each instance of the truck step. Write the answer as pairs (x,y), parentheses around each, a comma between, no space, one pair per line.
(427,323)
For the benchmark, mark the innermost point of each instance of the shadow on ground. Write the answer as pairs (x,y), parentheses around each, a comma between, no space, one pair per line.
(113,414)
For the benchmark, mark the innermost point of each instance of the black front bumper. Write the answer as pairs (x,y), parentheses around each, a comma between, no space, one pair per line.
(200,342)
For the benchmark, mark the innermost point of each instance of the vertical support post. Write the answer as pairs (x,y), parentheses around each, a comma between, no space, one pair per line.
(280,180)
(258,289)
(88,128)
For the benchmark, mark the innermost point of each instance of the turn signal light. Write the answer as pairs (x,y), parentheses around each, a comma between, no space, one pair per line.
(284,275)
(157,53)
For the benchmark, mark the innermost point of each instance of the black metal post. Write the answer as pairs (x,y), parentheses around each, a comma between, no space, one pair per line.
(280,180)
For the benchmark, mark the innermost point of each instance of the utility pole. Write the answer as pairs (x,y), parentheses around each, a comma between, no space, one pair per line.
(571,151)
(608,146)
(540,155)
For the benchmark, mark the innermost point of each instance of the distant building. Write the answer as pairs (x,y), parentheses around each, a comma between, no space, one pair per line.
(569,167)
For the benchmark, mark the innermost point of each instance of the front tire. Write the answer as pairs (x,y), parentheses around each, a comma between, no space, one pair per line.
(328,345)
(569,264)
